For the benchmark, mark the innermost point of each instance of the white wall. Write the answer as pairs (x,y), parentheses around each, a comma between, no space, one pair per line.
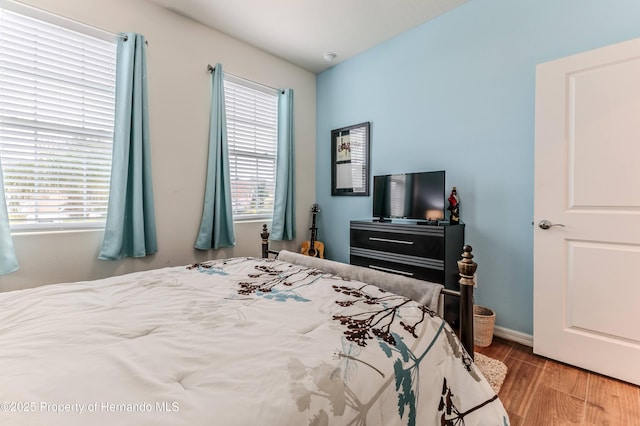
(179,94)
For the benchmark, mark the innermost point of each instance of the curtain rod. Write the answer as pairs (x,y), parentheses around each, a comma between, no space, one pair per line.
(211,68)
(16,6)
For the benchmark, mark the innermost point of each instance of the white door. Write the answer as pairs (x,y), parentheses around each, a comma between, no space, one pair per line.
(587,178)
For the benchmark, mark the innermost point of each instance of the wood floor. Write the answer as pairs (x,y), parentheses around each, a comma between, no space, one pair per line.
(540,391)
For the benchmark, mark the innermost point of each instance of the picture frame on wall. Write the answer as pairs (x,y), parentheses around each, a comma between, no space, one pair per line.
(350,157)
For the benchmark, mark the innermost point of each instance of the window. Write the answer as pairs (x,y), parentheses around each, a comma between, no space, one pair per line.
(57,95)
(252,132)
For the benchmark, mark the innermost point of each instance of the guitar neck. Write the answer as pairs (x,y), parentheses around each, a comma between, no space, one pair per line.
(313,230)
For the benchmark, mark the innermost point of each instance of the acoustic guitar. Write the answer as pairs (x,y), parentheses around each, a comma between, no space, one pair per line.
(312,247)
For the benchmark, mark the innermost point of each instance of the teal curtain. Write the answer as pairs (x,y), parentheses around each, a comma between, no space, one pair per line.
(8,261)
(216,227)
(131,225)
(283,226)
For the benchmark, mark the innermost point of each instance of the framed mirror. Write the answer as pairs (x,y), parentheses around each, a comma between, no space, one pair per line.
(350,160)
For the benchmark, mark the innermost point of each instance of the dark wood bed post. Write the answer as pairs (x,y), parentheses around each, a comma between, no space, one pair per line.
(467,268)
(265,241)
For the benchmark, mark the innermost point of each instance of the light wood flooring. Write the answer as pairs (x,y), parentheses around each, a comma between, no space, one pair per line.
(540,391)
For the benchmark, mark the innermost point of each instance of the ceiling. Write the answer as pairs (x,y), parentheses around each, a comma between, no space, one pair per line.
(301,31)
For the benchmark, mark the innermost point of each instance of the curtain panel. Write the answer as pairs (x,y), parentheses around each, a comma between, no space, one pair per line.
(131,226)
(216,227)
(8,260)
(283,226)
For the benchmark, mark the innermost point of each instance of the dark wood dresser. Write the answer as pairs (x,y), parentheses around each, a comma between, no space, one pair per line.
(424,252)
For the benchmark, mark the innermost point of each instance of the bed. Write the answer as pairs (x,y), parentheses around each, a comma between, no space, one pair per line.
(241,341)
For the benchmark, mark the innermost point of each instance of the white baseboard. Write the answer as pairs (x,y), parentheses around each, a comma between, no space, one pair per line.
(513,335)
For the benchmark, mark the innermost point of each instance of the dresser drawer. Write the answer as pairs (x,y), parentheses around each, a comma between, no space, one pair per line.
(404,269)
(422,245)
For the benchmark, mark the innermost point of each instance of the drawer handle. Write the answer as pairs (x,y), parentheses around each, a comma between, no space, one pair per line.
(386,240)
(395,271)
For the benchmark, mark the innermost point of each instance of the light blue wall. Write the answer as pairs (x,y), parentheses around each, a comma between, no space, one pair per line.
(458,94)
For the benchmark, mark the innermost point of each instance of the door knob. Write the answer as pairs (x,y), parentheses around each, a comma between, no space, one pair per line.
(545,224)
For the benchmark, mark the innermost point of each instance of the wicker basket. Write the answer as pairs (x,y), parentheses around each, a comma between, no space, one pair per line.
(484,320)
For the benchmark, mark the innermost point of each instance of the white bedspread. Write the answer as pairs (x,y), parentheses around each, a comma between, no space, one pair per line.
(238,342)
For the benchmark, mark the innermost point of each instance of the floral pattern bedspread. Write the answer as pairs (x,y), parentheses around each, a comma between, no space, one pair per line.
(241,341)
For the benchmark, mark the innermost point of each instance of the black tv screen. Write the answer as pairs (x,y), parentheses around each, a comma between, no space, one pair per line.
(418,196)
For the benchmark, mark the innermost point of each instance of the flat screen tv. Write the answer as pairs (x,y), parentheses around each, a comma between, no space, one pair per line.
(419,196)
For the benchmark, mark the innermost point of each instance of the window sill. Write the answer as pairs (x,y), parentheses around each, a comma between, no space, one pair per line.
(52,231)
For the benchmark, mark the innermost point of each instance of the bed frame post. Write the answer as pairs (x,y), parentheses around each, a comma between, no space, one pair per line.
(467,268)
(265,241)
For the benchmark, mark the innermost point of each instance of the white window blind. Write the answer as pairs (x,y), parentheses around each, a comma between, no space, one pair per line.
(57,94)
(252,132)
